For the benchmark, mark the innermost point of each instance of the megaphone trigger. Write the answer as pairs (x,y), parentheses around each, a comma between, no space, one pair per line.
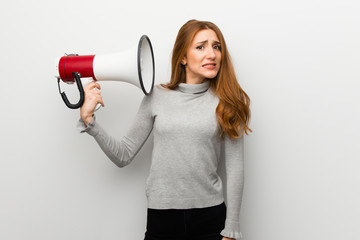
(98,106)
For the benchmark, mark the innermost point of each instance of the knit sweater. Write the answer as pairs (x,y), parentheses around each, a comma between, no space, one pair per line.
(186,153)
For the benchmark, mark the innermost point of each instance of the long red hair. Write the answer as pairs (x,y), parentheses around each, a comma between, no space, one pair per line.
(233,111)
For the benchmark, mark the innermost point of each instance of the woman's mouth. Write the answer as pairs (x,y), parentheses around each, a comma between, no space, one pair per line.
(209,65)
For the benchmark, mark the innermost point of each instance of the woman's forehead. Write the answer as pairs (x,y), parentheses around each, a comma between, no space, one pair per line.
(205,35)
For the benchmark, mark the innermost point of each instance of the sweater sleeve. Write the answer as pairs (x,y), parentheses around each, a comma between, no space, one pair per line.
(121,152)
(234,167)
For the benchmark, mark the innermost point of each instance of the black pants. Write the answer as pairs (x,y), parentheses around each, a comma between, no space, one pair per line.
(186,224)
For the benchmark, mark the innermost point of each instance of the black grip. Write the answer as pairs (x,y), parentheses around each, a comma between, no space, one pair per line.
(81,90)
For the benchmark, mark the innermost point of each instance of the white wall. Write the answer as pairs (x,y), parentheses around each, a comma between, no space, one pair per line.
(297,60)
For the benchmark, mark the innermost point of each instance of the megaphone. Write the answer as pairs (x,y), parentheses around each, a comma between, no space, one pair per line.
(135,66)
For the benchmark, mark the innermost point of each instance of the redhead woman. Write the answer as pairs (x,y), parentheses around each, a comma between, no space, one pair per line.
(198,119)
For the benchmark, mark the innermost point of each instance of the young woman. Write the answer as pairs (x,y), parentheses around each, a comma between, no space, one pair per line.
(198,118)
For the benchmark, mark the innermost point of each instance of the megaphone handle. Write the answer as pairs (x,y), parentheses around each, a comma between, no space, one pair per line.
(81,90)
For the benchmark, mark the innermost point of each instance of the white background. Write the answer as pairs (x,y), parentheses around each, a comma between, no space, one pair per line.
(297,60)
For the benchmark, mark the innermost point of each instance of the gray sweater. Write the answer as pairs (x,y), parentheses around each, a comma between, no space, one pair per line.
(186,153)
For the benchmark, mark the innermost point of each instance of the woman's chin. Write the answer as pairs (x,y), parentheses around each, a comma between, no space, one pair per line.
(211,76)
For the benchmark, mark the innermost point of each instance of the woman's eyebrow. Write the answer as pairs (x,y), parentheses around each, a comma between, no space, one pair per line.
(205,41)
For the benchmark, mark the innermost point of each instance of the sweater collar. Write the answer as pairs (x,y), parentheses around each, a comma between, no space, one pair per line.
(194,88)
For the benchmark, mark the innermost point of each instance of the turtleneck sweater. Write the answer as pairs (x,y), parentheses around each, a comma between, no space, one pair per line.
(186,152)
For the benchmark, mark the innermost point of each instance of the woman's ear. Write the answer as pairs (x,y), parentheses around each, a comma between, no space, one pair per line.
(183,61)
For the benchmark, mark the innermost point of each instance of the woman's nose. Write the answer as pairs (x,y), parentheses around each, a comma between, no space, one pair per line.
(210,53)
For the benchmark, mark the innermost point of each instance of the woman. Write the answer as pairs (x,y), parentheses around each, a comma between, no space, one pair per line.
(201,113)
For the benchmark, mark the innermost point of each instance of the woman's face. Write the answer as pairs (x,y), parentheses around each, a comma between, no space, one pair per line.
(203,57)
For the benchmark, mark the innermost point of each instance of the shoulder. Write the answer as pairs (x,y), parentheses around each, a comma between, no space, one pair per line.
(157,92)
(158,87)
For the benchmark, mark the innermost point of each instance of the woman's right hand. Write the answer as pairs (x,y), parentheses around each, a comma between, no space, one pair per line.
(92,98)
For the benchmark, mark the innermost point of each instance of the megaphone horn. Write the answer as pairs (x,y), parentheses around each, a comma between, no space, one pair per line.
(135,66)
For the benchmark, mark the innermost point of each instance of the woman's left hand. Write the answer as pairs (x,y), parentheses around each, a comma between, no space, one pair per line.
(225,238)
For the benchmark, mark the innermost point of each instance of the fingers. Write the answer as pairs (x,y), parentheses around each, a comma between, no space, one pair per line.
(98,98)
(93,94)
(93,88)
(101,102)
(97,86)
(93,85)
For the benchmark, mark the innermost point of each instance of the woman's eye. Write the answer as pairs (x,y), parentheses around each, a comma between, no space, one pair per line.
(200,47)
(217,47)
